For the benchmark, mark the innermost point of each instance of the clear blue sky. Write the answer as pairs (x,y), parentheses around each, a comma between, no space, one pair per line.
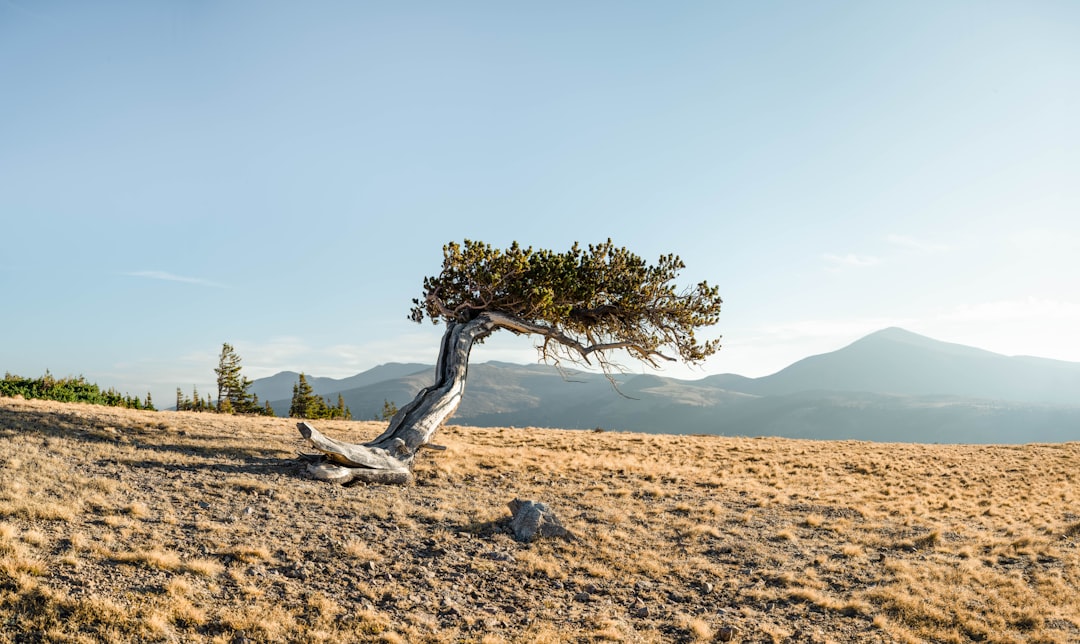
(282,175)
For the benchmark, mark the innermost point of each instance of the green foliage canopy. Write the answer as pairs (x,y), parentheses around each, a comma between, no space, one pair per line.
(233,396)
(307,404)
(232,385)
(69,389)
(583,302)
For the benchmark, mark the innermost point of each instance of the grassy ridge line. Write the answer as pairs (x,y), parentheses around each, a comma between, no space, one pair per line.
(120,525)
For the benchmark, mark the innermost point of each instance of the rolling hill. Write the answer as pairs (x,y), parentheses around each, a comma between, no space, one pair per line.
(279,386)
(892,385)
(895,361)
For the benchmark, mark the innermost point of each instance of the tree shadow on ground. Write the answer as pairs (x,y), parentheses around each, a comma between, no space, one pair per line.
(256,465)
(158,438)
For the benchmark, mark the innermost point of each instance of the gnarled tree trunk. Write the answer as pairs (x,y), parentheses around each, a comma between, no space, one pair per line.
(388,458)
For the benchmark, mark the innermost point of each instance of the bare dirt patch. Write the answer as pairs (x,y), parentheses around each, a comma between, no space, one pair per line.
(127,526)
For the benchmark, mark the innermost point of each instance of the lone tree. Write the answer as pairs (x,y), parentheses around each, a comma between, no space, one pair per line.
(303,397)
(233,396)
(232,387)
(583,305)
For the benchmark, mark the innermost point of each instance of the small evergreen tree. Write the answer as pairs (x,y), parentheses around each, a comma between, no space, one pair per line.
(342,410)
(388,410)
(318,408)
(302,399)
(232,385)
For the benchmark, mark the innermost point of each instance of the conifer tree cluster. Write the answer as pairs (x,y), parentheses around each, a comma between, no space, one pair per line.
(233,396)
(195,403)
(307,404)
(48,387)
(389,410)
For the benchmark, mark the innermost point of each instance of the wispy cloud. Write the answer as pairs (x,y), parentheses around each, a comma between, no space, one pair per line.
(170,277)
(837,262)
(1025,326)
(1045,240)
(850,260)
(908,242)
(1030,308)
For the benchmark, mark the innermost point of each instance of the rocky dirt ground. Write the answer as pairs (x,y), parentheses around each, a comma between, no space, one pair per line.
(118,525)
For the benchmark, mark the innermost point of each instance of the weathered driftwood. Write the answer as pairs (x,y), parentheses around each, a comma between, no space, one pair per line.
(389,458)
(344,463)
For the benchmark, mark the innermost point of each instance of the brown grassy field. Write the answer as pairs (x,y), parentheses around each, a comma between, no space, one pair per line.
(124,526)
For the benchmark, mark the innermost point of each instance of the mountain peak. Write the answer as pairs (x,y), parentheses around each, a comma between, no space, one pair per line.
(894,332)
(899,362)
(895,335)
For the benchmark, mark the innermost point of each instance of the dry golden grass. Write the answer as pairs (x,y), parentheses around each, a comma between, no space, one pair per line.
(126,526)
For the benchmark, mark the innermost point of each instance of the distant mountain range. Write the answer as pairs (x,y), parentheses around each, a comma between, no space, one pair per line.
(892,385)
